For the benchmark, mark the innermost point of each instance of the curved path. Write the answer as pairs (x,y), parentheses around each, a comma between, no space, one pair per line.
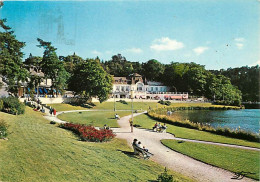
(177,162)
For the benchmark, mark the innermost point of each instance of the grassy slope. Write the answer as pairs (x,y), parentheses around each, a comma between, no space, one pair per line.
(235,160)
(95,118)
(181,132)
(38,151)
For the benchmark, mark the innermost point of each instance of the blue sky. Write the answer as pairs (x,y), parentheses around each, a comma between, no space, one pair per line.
(218,34)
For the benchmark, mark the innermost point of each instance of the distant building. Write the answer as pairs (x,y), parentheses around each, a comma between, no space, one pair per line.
(143,89)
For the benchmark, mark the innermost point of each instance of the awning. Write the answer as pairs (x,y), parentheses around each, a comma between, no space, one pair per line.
(40,90)
(176,97)
(46,91)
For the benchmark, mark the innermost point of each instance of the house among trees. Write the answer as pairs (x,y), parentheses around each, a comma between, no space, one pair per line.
(143,89)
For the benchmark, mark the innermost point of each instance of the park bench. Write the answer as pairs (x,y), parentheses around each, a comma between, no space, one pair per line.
(143,153)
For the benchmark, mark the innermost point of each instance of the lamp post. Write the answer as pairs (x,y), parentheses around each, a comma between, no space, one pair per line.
(132,119)
(114,102)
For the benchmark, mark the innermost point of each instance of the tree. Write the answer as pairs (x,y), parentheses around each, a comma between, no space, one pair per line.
(153,70)
(34,78)
(89,79)
(52,67)
(70,62)
(11,66)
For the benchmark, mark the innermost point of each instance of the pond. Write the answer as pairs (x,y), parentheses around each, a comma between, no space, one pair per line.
(246,119)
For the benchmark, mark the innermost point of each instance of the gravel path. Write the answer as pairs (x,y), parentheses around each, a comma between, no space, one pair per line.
(185,165)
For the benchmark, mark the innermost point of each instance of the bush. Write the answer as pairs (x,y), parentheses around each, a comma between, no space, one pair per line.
(123,102)
(164,177)
(12,105)
(3,129)
(52,122)
(89,133)
(167,103)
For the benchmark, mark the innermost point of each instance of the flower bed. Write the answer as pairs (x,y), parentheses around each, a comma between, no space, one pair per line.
(89,133)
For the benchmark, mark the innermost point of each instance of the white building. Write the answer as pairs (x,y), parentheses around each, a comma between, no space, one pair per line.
(143,89)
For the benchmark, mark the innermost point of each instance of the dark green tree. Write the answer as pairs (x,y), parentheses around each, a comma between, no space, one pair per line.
(89,79)
(153,70)
(52,67)
(70,61)
(11,66)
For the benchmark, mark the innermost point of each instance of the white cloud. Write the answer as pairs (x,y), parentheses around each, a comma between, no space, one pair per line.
(239,42)
(200,50)
(240,39)
(134,50)
(239,45)
(96,53)
(166,44)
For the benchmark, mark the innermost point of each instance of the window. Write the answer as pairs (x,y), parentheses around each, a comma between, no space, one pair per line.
(156,88)
(122,88)
(151,88)
(117,88)
(127,88)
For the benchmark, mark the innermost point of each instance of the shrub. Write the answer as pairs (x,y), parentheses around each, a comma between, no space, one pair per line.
(3,129)
(165,177)
(52,122)
(167,103)
(123,102)
(89,133)
(12,105)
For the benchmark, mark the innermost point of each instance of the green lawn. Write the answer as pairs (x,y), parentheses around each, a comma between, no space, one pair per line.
(146,122)
(39,151)
(232,159)
(119,106)
(95,118)
(66,107)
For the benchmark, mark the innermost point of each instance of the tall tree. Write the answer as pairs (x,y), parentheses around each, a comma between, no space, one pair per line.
(153,70)
(52,67)
(89,79)
(11,66)
(70,61)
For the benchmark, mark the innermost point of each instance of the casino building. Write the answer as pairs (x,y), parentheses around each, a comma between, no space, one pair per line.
(143,89)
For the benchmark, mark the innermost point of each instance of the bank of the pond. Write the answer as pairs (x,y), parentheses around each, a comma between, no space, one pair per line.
(245,119)
(164,115)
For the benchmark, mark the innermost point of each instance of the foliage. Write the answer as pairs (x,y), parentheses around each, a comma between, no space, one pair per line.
(11,66)
(52,122)
(123,102)
(89,79)
(245,78)
(152,70)
(160,114)
(3,129)
(165,177)
(89,133)
(52,67)
(118,66)
(167,103)
(70,61)
(12,105)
